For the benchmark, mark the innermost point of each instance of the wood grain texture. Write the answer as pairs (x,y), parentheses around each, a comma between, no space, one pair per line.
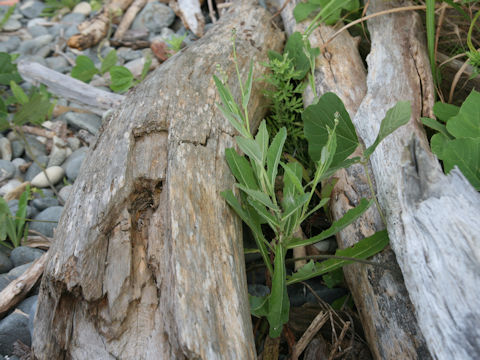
(432,219)
(148,258)
(380,295)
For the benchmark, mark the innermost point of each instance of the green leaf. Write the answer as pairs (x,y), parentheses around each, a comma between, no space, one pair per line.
(361,250)
(19,94)
(295,47)
(8,70)
(321,115)
(443,111)
(264,213)
(465,153)
(146,67)
(250,148)
(466,124)
(109,61)
(435,125)
(296,205)
(234,120)
(349,217)
(121,79)
(333,278)
(278,302)
(343,165)
(21,213)
(274,153)
(241,169)
(247,87)
(292,179)
(438,143)
(303,11)
(262,140)
(34,111)
(259,196)
(258,305)
(84,69)
(8,225)
(397,116)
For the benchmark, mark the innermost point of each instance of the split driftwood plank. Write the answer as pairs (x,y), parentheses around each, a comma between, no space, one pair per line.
(388,318)
(432,219)
(147,261)
(93,99)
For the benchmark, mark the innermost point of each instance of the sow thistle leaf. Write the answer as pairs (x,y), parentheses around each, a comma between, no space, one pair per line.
(303,10)
(241,169)
(318,118)
(109,61)
(278,302)
(250,148)
(397,116)
(247,87)
(84,69)
(361,250)
(466,124)
(259,196)
(121,79)
(274,153)
(262,140)
(292,179)
(264,213)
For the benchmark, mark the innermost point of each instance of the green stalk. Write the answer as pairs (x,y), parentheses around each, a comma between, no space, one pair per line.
(430,23)
(372,190)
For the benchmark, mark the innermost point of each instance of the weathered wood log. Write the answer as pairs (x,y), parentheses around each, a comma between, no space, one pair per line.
(388,319)
(191,14)
(432,219)
(148,260)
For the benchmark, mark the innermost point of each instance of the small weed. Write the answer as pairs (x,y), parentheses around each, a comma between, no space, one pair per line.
(14,227)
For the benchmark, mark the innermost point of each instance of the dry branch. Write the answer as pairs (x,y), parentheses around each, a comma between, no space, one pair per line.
(128,18)
(191,14)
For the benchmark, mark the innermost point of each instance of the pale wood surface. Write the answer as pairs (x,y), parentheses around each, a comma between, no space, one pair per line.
(148,260)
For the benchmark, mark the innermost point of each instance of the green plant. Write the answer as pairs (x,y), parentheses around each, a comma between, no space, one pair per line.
(7,15)
(14,227)
(457,142)
(121,79)
(176,42)
(52,7)
(332,139)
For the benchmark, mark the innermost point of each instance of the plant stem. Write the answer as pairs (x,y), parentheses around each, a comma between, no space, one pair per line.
(372,190)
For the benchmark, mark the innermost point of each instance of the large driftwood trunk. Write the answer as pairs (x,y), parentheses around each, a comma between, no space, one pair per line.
(148,258)
(380,295)
(433,220)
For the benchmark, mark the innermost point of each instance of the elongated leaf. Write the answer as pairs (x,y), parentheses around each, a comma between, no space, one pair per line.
(278,302)
(262,141)
(292,179)
(21,213)
(225,95)
(241,169)
(343,165)
(397,116)
(303,11)
(361,250)
(298,202)
(443,111)
(121,78)
(466,124)
(321,204)
(259,196)
(435,125)
(274,153)
(109,61)
(349,217)
(250,148)
(234,120)
(258,305)
(18,92)
(84,69)
(247,87)
(321,115)
(265,214)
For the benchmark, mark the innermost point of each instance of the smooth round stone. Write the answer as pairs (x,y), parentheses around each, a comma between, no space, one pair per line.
(38,149)
(70,31)
(58,153)
(24,254)
(45,202)
(9,186)
(72,19)
(65,192)
(13,206)
(5,149)
(32,9)
(7,170)
(5,263)
(74,162)
(12,328)
(128,54)
(37,31)
(82,8)
(17,148)
(153,17)
(50,214)
(58,63)
(74,143)
(39,21)
(26,305)
(12,25)
(54,173)
(10,45)
(34,169)
(31,47)
(32,58)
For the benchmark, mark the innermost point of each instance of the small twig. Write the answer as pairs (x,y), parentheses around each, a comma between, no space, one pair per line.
(211,12)
(308,335)
(455,80)
(38,131)
(280,10)
(128,18)
(336,346)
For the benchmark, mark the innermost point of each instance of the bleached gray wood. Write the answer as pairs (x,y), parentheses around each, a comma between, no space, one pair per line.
(148,260)
(433,219)
(380,295)
(90,97)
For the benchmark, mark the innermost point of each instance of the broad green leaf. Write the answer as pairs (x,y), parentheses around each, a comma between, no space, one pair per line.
(321,115)
(259,196)
(109,61)
(303,11)
(443,111)
(466,124)
(333,278)
(278,302)
(262,140)
(250,148)
(241,169)
(438,143)
(18,92)
(349,217)
(465,153)
(4,124)
(247,87)
(8,70)
(35,111)
(397,116)
(362,250)
(295,47)
(121,78)
(274,153)
(258,305)
(273,55)
(84,69)
(435,125)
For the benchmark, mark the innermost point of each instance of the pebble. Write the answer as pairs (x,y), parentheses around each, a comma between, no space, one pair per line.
(50,214)
(12,25)
(74,162)
(13,206)
(154,17)
(37,31)
(74,143)
(26,304)
(17,148)
(12,328)
(7,278)
(54,173)
(58,153)
(10,45)
(65,192)
(7,170)
(31,314)
(82,8)
(89,122)
(5,263)
(24,254)
(45,202)
(9,186)
(31,47)
(58,63)
(34,169)
(72,19)
(5,149)
(32,9)
(38,149)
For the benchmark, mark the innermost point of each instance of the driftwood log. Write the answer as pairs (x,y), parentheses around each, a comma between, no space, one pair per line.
(433,220)
(147,261)
(380,295)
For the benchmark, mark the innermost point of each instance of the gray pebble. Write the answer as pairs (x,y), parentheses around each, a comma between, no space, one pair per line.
(58,63)
(37,31)
(50,214)
(34,169)
(153,17)
(7,170)
(127,54)
(12,25)
(74,162)
(12,328)
(13,206)
(9,186)
(7,278)
(43,203)
(31,314)
(31,47)
(73,143)
(89,122)
(38,149)
(32,9)
(65,192)
(32,58)
(17,148)
(5,263)
(26,304)
(10,45)
(24,255)
(72,19)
